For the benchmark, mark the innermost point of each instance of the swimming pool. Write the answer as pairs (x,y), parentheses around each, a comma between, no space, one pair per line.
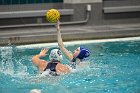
(114,68)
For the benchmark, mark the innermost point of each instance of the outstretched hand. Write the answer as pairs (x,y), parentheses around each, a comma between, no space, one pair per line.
(43,52)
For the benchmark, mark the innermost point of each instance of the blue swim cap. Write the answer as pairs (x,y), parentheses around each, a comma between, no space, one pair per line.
(83,53)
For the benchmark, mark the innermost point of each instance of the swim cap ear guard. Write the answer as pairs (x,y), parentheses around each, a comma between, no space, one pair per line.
(55,55)
(83,53)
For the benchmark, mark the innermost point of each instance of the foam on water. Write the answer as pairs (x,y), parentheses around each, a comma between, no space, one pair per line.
(6,65)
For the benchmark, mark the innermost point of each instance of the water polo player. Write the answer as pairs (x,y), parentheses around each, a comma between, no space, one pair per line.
(77,56)
(54,67)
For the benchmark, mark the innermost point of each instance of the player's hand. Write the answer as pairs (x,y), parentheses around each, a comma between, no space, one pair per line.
(43,52)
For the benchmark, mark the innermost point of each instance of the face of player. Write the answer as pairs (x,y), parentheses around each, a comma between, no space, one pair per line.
(76,52)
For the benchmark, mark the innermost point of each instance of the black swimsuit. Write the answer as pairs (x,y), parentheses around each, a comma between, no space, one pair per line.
(52,67)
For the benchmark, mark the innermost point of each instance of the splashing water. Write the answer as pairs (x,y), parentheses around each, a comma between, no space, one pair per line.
(6,65)
(10,65)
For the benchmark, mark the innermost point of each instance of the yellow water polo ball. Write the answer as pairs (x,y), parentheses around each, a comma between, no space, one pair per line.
(52,15)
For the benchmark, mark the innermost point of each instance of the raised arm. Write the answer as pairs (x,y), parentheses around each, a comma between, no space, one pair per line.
(61,45)
(39,62)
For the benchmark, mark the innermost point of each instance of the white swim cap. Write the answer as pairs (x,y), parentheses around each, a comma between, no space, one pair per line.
(55,55)
(35,91)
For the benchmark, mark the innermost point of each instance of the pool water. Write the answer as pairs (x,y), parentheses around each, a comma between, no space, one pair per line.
(114,68)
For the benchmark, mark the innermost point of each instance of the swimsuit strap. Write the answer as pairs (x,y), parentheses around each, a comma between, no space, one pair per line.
(51,66)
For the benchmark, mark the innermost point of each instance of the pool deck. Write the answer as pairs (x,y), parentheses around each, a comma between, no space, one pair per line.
(69,33)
